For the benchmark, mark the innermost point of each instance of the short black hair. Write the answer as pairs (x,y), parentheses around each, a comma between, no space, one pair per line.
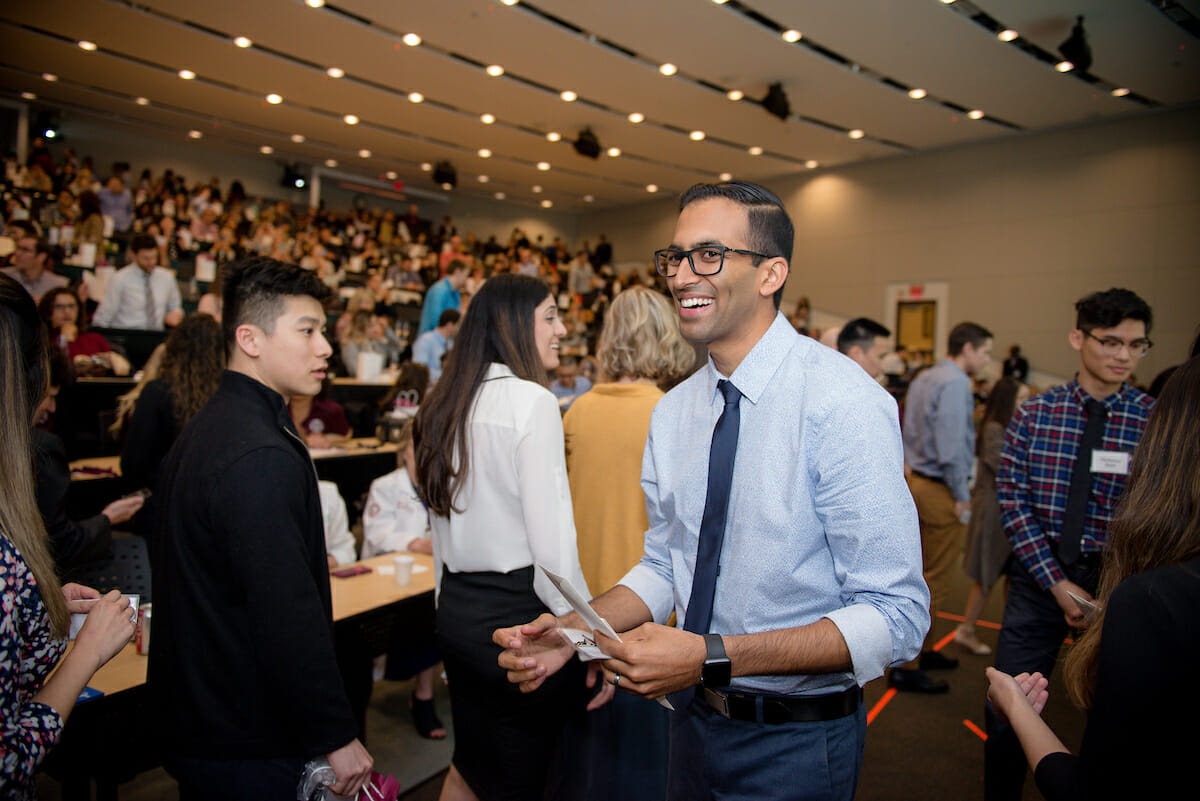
(860,331)
(1107,309)
(455,265)
(142,242)
(254,291)
(448,316)
(771,231)
(963,334)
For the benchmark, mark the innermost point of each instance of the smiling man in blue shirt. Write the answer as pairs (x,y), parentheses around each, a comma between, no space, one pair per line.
(819,584)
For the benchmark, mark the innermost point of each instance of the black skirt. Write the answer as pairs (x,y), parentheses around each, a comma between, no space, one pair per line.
(505,741)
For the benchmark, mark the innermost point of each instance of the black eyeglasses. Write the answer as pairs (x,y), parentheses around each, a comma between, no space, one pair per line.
(1111,346)
(704,260)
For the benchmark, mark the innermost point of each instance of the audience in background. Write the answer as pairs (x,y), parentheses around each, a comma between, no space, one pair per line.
(431,347)
(142,294)
(89,352)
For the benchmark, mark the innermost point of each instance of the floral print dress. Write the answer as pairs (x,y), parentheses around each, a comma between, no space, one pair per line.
(28,652)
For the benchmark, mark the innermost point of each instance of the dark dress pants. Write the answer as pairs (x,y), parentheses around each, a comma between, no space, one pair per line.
(236,779)
(1031,635)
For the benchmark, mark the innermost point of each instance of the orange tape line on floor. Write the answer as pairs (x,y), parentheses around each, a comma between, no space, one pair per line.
(959,619)
(942,643)
(880,704)
(980,733)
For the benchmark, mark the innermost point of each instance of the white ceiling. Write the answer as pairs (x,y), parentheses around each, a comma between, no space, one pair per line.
(851,70)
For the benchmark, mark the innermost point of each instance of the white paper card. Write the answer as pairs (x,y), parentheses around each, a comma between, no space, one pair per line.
(370,365)
(206,267)
(1115,462)
(1089,610)
(585,647)
(87,254)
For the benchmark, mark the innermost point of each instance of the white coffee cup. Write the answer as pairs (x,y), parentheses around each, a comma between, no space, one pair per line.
(404,566)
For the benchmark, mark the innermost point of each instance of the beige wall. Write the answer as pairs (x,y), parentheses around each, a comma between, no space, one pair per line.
(1019,228)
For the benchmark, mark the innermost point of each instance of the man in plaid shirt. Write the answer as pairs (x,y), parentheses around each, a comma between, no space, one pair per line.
(1041,447)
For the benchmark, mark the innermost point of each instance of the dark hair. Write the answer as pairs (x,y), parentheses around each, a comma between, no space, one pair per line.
(89,204)
(963,334)
(1107,310)
(860,331)
(455,265)
(1000,407)
(448,316)
(412,376)
(498,327)
(192,363)
(254,291)
(142,242)
(46,308)
(770,228)
(59,371)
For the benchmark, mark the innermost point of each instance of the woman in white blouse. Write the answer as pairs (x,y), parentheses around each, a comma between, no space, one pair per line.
(491,467)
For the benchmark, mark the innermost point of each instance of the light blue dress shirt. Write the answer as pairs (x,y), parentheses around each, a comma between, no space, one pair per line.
(939,432)
(124,303)
(428,350)
(820,524)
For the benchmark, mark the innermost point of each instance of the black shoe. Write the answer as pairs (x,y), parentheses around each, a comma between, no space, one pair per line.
(936,660)
(915,681)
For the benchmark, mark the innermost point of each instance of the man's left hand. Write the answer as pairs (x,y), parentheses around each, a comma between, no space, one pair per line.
(653,660)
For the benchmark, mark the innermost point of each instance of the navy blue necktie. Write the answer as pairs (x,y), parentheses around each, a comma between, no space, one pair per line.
(716,506)
(1070,542)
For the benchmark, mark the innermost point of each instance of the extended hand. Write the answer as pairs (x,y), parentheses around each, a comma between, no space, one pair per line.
(533,652)
(1075,618)
(1007,692)
(109,626)
(123,509)
(654,660)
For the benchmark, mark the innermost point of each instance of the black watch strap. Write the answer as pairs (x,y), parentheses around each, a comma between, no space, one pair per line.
(717,670)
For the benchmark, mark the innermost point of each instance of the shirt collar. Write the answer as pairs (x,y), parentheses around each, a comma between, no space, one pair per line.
(498,370)
(755,371)
(1114,400)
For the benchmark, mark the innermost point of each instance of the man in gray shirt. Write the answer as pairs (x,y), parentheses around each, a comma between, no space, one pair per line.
(939,448)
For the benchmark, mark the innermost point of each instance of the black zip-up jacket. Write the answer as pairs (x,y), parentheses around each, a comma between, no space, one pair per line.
(242,661)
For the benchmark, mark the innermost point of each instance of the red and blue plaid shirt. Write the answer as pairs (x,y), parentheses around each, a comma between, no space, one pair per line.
(1040,448)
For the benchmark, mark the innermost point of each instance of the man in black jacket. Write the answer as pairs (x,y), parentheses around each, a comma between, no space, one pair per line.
(242,669)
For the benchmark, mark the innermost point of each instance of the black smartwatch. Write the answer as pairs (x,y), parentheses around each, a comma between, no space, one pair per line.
(717,670)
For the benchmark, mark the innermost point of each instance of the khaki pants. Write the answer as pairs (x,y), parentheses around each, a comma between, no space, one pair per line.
(941,541)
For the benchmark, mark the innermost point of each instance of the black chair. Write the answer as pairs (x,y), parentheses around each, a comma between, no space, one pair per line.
(136,344)
(129,570)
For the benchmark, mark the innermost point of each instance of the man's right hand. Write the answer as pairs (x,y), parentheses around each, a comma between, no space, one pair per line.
(351,768)
(533,652)
(1075,618)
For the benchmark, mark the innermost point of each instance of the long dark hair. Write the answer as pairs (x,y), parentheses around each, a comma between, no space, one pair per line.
(192,363)
(498,327)
(1158,520)
(1000,407)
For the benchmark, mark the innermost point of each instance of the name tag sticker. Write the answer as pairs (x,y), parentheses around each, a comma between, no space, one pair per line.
(1116,462)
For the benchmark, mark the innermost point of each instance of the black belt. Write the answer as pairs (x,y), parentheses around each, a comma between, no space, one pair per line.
(776,709)
(928,477)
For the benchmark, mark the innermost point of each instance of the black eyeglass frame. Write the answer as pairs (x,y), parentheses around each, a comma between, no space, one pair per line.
(662,270)
(1137,348)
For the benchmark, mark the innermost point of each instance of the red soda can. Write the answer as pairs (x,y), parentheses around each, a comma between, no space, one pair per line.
(143,629)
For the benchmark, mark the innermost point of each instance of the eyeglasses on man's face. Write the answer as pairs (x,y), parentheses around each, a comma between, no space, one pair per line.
(1111,346)
(704,260)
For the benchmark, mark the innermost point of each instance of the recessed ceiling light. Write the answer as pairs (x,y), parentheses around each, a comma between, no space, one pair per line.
(547,204)
(350,119)
(726,176)
(1064,66)
(755,150)
(568,95)
(315,3)
(499,196)
(187,75)
(484,153)
(335,72)
(495,70)
(142,101)
(426,166)
(416,97)
(243,41)
(696,136)
(274,99)
(411,39)
(792,35)
(651,187)
(266,150)
(735,94)
(84,44)
(1120,91)
(720,2)
(487,119)
(483,179)
(588,198)
(614,151)
(537,190)
(811,164)
(447,186)
(331,163)
(857,133)
(636,117)
(917,94)
(364,154)
(28,96)
(948,2)
(298,138)
(543,165)
(194,134)
(510,2)
(668,69)
(554,136)
(1007,35)
(49,76)
(391,175)
(975,114)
